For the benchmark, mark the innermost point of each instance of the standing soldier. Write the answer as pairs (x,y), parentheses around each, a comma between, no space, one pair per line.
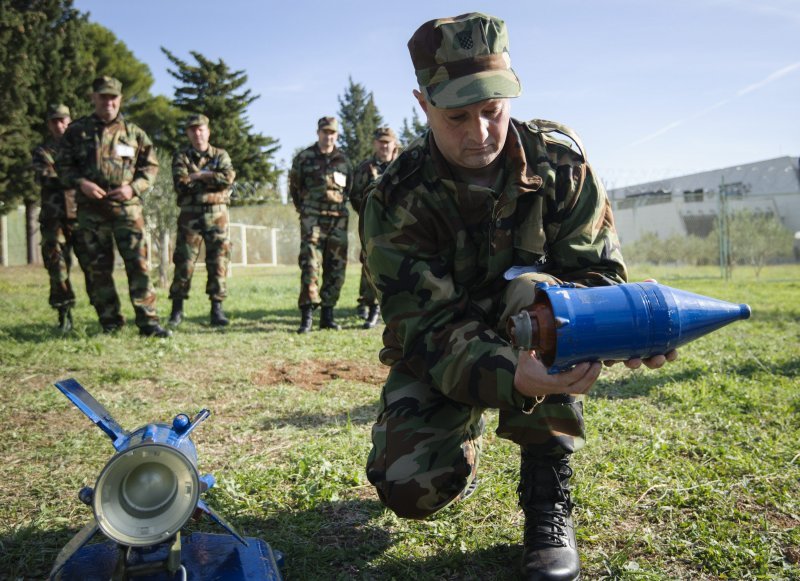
(369,171)
(111,162)
(203,175)
(318,184)
(58,220)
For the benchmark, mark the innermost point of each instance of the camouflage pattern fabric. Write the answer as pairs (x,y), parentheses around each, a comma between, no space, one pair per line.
(203,218)
(319,185)
(198,224)
(112,155)
(101,225)
(58,225)
(195,192)
(323,249)
(438,251)
(368,172)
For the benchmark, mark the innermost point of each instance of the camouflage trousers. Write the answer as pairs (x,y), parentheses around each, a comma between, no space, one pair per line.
(323,247)
(366,292)
(426,447)
(101,225)
(207,224)
(60,237)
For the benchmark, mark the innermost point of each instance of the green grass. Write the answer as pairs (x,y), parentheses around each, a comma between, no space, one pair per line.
(690,472)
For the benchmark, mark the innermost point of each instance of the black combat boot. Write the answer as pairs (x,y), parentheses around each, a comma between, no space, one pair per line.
(550,552)
(156,331)
(373,317)
(306,319)
(176,316)
(326,319)
(218,318)
(65,319)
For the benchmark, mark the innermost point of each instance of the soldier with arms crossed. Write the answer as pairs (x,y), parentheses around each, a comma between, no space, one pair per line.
(479,198)
(110,162)
(319,182)
(369,171)
(203,176)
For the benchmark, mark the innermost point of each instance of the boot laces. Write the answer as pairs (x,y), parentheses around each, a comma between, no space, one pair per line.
(546,501)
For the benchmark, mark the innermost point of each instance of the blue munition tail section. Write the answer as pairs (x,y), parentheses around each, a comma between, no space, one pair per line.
(94,410)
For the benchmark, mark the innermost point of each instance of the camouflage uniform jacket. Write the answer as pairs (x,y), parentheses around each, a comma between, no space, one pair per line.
(437,251)
(109,154)
(195,192)
(319,184)
(368,171)
(56,202)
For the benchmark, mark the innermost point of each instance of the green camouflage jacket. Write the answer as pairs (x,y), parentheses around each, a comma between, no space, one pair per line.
(215,191)
(437,251)
(319,184)
(368,171)
(56,202)
(110,155)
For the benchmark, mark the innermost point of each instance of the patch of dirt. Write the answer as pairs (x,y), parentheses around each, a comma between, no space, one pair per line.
(314,375)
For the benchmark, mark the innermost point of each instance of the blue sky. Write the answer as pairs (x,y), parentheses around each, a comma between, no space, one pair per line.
(654,88)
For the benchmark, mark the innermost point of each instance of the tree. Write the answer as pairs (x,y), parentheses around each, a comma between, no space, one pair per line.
(213,89)
(161,214)
(757,239)
(359,119)
(411,131)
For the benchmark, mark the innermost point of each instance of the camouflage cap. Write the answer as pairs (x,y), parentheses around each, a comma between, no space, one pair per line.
(328,123)
(384,134)
(107,86)
(462,60)
(197,119)
(58,112)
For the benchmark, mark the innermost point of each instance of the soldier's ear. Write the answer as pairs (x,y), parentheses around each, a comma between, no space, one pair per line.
(421,100)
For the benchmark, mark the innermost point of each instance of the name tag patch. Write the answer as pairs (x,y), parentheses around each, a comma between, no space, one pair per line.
(339,179)
(122,150)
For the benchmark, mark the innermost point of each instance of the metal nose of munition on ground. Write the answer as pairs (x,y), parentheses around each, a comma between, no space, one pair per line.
(567,325)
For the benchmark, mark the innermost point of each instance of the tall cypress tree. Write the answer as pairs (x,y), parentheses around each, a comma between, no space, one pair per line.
(213,89)
(359,118)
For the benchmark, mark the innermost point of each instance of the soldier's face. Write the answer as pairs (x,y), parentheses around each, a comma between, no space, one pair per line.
(384,149)
(198,136)
(106,106)
(58,126)
(326,139)
(470,137)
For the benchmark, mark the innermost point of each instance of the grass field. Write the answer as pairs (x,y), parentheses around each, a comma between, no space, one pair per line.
(690,472)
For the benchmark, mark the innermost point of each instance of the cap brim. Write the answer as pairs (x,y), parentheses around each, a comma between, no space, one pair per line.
(473,88)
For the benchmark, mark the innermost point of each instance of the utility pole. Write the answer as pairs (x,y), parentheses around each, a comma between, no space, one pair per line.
(724,231)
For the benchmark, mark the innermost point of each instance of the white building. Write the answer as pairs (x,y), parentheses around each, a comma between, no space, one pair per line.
(689,204)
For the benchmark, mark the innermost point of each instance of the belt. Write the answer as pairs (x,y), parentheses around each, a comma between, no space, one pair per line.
(204,207)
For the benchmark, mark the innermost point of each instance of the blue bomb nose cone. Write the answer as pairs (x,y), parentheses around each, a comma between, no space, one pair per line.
(630,320)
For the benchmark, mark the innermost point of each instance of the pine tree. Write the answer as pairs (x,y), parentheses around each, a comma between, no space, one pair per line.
(359,117)
(213,89)
(411,131)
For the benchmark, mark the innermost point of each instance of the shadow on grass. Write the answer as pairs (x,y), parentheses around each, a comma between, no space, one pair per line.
(272,321)
(335,540)
(640,384)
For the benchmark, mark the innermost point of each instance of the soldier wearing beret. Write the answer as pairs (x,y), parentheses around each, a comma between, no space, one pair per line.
(368,172)
(203,176)
(319,183)
(111,162)
(58,220)
(457,232)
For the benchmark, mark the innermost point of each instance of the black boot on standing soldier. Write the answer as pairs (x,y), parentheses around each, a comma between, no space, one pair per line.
(218,318)
(326,319)
(306,319)
(373,317)
(550,552)
(176,316)
(65,319)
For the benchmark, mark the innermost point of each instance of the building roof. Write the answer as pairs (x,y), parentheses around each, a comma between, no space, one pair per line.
(773,176)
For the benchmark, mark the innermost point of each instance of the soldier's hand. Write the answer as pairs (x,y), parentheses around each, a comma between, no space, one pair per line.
(92,190)
(653,362)
(531,378)
(121,193)
(201,175)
